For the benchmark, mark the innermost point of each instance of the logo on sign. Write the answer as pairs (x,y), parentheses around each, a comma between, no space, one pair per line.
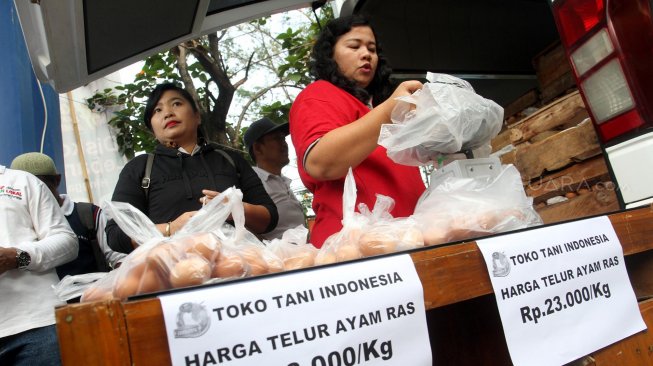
(500,265)
(192,320)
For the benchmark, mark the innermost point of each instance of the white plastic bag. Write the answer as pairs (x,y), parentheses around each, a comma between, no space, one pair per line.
(368,232)
(343,245)
(447,117)
(71,287)
(293,249)
(454,209)
(239,242)
(384,234)
(187,258)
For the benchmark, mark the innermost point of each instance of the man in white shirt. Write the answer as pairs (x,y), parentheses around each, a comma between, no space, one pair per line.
(34,238)
(266,143)
(86,219)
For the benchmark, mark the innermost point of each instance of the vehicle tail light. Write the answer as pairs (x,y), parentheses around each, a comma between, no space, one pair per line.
(606,91)
(576,18)
(609,45)
(592,52)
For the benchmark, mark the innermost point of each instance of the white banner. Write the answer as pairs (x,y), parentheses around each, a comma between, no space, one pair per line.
(562,291)
(102,159)
(365,313)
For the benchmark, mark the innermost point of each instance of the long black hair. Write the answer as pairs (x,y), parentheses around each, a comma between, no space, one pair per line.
(324,67)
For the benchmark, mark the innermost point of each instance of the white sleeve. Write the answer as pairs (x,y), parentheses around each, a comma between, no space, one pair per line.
(56,242)
(111,256)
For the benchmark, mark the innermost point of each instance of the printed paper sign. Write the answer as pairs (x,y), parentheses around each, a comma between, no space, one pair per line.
(562,291)
(365,313)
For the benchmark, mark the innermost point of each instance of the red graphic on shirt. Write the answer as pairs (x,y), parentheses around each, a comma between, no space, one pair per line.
(10,192)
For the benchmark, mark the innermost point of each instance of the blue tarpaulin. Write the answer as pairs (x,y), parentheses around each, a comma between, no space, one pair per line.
(22,108)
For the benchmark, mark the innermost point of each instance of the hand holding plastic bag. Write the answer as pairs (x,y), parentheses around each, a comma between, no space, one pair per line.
(444,117)
(158,263)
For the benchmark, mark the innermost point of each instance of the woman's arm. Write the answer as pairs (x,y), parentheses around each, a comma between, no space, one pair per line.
(257,218)
(128,189)
(349,145)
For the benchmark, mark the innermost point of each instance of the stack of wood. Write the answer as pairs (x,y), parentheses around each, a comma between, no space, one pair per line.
(556,149)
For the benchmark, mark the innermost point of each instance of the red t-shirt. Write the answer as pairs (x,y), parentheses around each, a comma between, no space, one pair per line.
(320,108)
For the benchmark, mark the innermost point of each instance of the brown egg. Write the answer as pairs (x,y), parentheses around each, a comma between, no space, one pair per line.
(303,259)
(275,265)
(204,244)
(484,222)
(96,294)
(257,265)
(153,280)
(206,250)
(229,265)
(434,235)
(325,257)
(346,252)
(375,243)
(126,283)
(412,238)
(190,271)
(139,279)
(163,256)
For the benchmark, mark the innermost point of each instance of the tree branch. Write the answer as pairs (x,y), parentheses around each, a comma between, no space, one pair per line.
(251,100)
(247,68)
(182,66)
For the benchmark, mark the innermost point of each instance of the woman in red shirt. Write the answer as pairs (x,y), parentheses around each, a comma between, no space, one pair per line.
(335,124)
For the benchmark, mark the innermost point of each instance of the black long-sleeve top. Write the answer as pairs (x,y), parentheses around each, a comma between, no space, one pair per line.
(176,183)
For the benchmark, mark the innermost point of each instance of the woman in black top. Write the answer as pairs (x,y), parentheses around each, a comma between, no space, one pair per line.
(185,171)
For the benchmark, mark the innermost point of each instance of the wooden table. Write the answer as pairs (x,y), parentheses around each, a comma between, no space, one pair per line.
(463,319)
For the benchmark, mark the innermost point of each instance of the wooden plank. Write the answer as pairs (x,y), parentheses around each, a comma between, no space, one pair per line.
(562,85)
(501,140)
(147,332)
(592,203)
(569,109)
(93,334)
(577,176)
(551,64)
(636,350)
(526,100)
(634,229)
(449,274)
(640,272)
(553,72)
(555,152)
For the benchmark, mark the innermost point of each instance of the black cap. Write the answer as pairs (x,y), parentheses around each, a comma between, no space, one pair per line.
(261,128)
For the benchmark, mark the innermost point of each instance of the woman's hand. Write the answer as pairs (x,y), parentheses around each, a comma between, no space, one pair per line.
(407,87)
(176,224)
(257,217)
(404,89)
(348,145)
(208,196)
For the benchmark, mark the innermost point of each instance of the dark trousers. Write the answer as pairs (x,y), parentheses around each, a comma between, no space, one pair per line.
(38,346)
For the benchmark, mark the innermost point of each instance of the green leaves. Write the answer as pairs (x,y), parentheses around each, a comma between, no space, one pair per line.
(290,50)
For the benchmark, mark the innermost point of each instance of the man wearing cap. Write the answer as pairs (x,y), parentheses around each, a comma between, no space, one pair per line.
(266,143)
(87,220)
(34,239)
